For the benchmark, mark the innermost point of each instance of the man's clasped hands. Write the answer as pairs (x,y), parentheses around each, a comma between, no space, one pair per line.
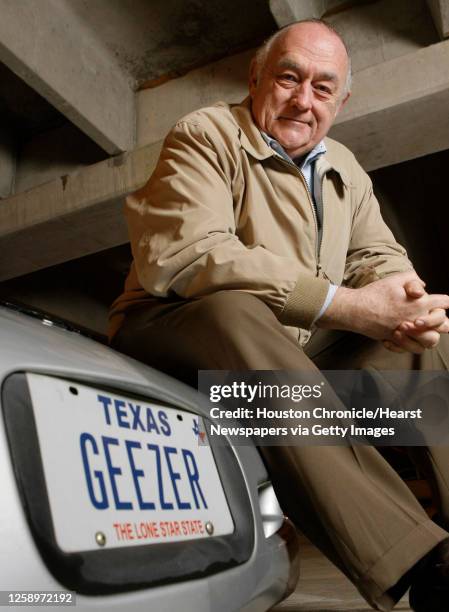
(396,309)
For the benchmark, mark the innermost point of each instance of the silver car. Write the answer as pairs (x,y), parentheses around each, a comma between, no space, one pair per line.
(109,490)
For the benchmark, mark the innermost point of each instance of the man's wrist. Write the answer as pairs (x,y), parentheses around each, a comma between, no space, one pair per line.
(340,312)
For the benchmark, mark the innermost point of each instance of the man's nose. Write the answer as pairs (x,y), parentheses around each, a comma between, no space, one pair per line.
(302,96)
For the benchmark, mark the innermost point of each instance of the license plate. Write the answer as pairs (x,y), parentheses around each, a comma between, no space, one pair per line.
(123,472)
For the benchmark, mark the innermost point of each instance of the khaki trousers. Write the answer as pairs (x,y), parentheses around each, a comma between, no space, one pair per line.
(347,500)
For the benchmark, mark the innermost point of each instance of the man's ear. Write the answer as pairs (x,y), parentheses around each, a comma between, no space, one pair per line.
(342,103)
(253,76)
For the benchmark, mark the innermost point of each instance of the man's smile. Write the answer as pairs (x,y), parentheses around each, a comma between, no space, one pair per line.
(294,120)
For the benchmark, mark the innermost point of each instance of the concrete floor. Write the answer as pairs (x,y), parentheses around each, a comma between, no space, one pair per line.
(323,588)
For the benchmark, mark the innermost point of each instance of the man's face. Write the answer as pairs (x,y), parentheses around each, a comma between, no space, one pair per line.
(298,92)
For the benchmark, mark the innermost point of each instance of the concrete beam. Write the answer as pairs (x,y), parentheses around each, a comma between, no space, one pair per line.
(72,216)
(57,55)
(380,31)
(398,109)
(159,108)
(440,14)
(286,11)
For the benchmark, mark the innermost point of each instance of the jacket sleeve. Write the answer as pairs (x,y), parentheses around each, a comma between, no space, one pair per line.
(373,251)
(183,233)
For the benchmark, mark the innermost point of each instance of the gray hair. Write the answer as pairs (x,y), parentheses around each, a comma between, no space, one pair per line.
(264,50)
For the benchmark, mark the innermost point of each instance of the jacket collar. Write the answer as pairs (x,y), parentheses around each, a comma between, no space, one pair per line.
(250,137)
(253,142)
(333,160)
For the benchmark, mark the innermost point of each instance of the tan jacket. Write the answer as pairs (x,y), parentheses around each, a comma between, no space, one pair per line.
(222,210)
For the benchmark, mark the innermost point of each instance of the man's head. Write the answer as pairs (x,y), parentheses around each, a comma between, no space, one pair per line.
(299,81)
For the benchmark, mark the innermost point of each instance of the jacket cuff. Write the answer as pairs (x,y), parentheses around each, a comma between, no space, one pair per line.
(305,301)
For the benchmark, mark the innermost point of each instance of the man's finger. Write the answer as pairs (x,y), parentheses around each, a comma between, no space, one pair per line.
(427,337)
(437,300)
(414,288)
(411,345)
(444,328)
(434,319)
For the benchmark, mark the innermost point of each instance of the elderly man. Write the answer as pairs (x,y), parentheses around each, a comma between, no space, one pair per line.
(253,232)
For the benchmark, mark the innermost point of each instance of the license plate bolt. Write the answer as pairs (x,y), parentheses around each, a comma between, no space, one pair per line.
(100,538)
(209,527)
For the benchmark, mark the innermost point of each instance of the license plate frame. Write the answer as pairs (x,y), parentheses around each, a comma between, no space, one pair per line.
(116,570)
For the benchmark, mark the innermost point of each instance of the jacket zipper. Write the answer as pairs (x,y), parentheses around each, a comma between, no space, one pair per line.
(309,196)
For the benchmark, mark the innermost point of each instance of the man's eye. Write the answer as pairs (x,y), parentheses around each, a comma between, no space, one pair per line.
(288,77)
(323,89)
